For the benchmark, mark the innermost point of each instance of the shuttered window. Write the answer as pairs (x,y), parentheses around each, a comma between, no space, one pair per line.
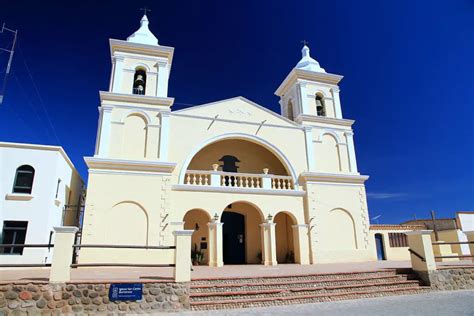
(397,240)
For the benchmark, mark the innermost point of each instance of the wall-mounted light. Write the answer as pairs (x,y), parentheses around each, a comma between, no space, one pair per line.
(269,218)
(216,217)
(196,227)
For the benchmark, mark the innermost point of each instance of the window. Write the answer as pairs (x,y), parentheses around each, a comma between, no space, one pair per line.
(24,179)
(397,240)
(139,82)
(229,163)
(14,232)
(320,106)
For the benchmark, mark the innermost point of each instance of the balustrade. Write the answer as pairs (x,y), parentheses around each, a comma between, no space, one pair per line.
(217,178)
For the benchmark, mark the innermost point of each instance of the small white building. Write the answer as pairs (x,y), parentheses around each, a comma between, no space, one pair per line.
(39,189)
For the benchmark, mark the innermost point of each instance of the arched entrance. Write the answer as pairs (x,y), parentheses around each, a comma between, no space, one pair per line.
(197,220)
(241,234)
(285,239)
(380,247)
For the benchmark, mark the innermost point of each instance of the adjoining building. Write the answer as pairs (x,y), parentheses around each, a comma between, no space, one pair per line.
(39,189)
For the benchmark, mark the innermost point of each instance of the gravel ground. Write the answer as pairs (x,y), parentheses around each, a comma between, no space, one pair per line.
(435,303)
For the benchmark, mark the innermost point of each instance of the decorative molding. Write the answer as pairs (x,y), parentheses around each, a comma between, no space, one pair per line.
(396,227)
(66,229)
(106,96)
(96,163)
(18,197)
(324,120)
(419,232)
(203,188)
(187,232)
(333,177)
(297,74)
(142,49)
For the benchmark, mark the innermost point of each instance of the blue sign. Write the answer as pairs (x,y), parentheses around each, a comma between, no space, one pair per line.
(126,292)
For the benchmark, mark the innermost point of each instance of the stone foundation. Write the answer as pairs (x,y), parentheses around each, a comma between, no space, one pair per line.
(449,279)
(79,298)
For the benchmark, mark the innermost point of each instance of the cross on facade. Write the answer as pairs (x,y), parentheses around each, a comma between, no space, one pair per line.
(305,42)
(145,10)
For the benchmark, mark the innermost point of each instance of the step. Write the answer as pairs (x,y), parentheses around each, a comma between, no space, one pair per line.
(296,292)
(304,299)
(217,287)
(293,278)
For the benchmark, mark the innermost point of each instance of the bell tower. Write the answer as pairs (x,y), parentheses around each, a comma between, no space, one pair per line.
(309,91)
(140,65)
(134,113)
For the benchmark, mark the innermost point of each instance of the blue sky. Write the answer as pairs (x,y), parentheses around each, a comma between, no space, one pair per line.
(408,68)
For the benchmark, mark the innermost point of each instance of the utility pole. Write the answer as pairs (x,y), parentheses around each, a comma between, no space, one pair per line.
(434,225)
(10,58)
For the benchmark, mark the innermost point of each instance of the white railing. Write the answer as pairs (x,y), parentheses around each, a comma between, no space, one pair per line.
(197,177)
(241,180)
(217,178)
(282,183)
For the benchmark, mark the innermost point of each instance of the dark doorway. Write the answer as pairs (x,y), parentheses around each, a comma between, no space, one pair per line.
(379,246)
(233,235)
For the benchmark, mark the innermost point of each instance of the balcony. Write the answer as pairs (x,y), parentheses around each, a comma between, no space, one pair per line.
(215,180)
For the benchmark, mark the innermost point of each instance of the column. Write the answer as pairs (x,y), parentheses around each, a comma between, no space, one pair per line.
(268,244)
(351,151)
(162,80)
(62,256)
(337,102)
(302,96)
(164,135)
(182,259)
(470,238)
(152,141)
(419,241)
(300,235)
(309,148)
(104,137)
(215,244)
(118,74)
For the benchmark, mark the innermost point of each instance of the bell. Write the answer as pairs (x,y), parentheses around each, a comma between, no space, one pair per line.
(139,80)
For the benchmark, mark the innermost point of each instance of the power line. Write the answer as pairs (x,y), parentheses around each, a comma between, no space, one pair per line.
(10,58)
(39,95)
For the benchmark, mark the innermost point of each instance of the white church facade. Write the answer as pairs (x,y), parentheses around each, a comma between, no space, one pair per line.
(254,185)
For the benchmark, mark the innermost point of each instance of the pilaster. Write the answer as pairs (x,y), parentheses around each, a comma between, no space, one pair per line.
(300,235)
(162,80)
(164,135)
(104,137)
(337,102)
(117,73)
(268,244)
(351,151)
(215,244)
(309,148)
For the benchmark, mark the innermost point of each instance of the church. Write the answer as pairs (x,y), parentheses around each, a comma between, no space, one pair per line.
(256,187)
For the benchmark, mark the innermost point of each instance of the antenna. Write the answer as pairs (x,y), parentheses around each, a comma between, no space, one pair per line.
(10,58)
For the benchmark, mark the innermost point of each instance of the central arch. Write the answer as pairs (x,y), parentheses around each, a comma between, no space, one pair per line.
(240,136)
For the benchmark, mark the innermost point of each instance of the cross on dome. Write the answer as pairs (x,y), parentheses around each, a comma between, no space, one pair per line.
(307,62)
(143,35)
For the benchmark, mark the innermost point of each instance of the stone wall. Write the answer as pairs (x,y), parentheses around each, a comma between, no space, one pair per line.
(450,279)
(78,298)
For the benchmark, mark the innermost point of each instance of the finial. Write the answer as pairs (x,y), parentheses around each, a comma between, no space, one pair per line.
(145,9)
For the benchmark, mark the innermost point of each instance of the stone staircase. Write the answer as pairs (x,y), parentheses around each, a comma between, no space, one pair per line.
(225,293)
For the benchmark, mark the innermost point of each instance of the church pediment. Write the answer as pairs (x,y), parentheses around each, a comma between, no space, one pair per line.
(237,109)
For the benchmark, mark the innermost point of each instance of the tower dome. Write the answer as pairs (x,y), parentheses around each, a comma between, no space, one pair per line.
(307,62)
(143,35)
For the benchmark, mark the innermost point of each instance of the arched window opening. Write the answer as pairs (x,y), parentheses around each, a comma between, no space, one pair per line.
(229,164)
(320,106)
(289,111)
(24,179)
(139,82)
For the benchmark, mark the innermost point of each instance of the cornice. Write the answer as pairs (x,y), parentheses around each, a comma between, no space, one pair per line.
(129,47)
(97,163)
(324,120)
(296,74)
(106,96)
(203,188)
(333,177)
